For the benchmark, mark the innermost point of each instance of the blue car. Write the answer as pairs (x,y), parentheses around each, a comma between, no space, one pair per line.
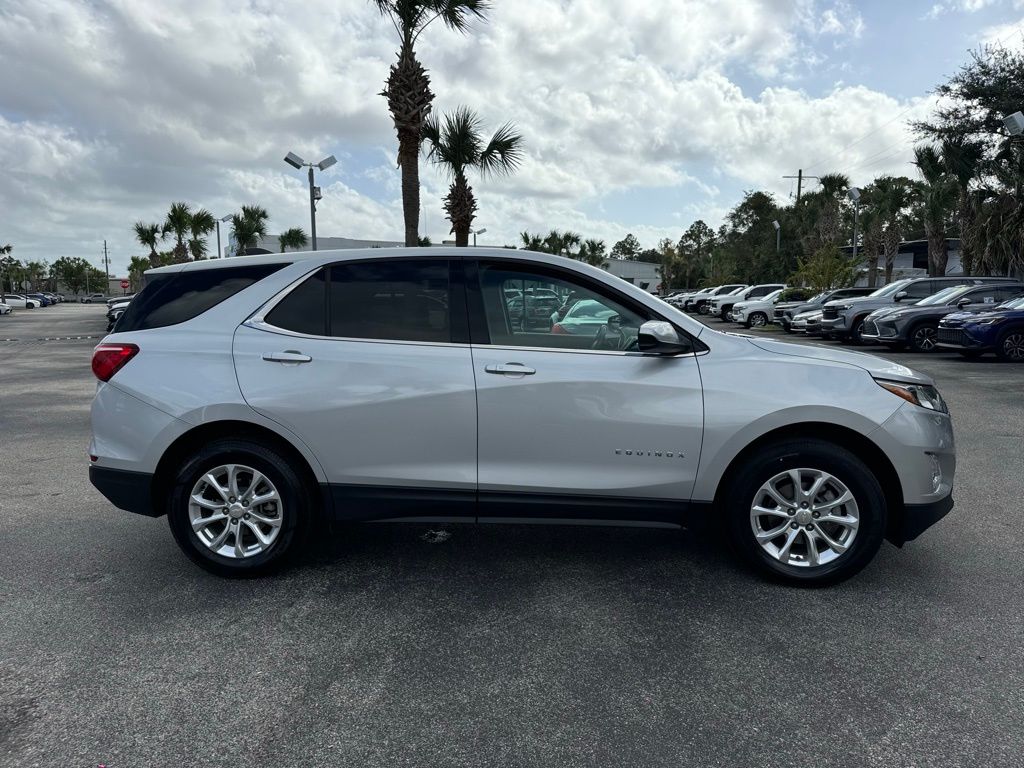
(43,300)
(1000,330)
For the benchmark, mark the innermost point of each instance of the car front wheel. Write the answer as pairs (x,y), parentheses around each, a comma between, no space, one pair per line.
(238,508)
(806,511)
(757,319)
(924,337)
(1011,345)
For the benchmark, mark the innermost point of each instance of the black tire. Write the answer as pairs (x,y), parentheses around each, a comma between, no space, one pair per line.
(297,506)
(784,455)
(1011,345)
(856,336)
(923,337)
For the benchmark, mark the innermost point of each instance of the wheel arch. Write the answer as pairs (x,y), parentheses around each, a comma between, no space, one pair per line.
(862,446)
(190,441)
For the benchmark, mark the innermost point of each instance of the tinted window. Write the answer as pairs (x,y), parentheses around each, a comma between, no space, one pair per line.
(920,289)
(304,310)
(173,298)
(390,299)
(566,314)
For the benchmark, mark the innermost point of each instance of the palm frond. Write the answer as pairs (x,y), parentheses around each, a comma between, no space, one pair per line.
(503,153)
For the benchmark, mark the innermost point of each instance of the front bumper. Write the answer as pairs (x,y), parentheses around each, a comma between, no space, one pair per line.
(130,491)
(880,330)
(917,518)
(834,325)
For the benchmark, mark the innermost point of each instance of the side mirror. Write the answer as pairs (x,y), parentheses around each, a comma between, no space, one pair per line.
(964,302)
(657,337)
(900,296)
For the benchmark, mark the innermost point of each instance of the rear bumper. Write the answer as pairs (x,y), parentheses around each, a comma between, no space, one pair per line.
(917,518)
(130,491)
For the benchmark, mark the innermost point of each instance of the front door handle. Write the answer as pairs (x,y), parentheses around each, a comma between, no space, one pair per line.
(511,369)
(288,356)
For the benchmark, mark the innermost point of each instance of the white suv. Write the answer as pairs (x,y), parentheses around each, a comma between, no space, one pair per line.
(249,398)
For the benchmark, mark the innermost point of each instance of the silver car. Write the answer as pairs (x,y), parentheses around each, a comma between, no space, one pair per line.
(249,399)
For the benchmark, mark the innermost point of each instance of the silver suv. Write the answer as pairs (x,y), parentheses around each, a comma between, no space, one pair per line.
(248,399)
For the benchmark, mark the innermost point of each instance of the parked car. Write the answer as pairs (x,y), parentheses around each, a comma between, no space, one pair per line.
(19,301)
(5,309)
(1000,330)
(917,325)
(720,306)
(42,299)
(246,400)
(585,318)
(115,311)
(844,319)
(539,310)
(697,301)
(803,322)
(94,298)
(785,311)
(756,312)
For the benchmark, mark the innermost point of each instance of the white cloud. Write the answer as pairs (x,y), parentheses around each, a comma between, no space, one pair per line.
(111,109)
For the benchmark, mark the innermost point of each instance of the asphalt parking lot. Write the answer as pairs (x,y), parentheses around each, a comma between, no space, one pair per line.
(493,646)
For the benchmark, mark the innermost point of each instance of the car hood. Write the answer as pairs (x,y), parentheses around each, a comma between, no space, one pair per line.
(859,300)
(876,366)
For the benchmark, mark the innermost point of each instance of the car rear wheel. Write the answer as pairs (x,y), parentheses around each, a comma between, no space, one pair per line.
(1011,345)
(238,508)
(757,319)
(807,512)
(923,337)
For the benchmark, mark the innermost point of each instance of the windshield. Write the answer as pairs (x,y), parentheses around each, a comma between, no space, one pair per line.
(820,297)
(773,295)
(891,288)
(944,295)
(1017,303)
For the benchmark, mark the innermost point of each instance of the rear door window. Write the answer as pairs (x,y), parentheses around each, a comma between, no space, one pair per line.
(169,299)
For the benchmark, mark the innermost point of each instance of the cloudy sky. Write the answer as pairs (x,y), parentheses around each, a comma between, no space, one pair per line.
(638,117)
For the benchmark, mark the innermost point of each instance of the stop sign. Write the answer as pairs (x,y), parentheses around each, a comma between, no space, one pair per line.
(125,283)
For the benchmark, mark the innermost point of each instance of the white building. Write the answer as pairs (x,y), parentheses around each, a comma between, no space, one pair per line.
(270,244)
(642,274)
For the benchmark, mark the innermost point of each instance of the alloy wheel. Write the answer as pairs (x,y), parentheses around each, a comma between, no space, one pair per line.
(757,319)
(804,517)
(235,511)
(925,338)
(1013,347)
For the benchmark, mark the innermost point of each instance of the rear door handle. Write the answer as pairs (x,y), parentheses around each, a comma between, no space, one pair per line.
(511,369)
(288,356)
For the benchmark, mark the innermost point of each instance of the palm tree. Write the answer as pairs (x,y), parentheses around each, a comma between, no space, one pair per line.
(831,188)
(593,252)
(248,227)
(562,243)
(149,235)
(872,223)
(178,222)
(408,86)
(892,196)
(5,261)
(457,145)
(962,159)
(136,269)
(201,223)
(531,242)
(292,238)
(936,195)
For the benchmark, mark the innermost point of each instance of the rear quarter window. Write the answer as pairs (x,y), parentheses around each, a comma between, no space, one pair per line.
(179,296)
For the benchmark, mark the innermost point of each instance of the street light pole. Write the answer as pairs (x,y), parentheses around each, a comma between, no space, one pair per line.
(298,163)
(854,194)
(478,232)
(778,237)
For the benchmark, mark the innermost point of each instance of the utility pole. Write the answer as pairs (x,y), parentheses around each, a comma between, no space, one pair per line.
(312,207)
(800,181)
(106,264)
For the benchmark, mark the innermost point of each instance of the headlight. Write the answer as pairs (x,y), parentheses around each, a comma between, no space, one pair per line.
(919,394)
(843,307)
(989,321)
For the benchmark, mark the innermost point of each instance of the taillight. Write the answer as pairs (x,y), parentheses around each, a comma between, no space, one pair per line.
(556,328)
(108,359)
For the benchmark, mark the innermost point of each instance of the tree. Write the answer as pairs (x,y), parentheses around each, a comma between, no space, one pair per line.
(962,158)
(149,235)
(178,223)
(936,195)
(424,241)
(693,247)
(627,248)
(295,238)
(136,268)
(36,273)
(407,88)
(531,242)
(201,223)
(248,227)
(78,275)
(592,252)
(825,269)
(892,197)
(457,145)
(6,262)
(562,243)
